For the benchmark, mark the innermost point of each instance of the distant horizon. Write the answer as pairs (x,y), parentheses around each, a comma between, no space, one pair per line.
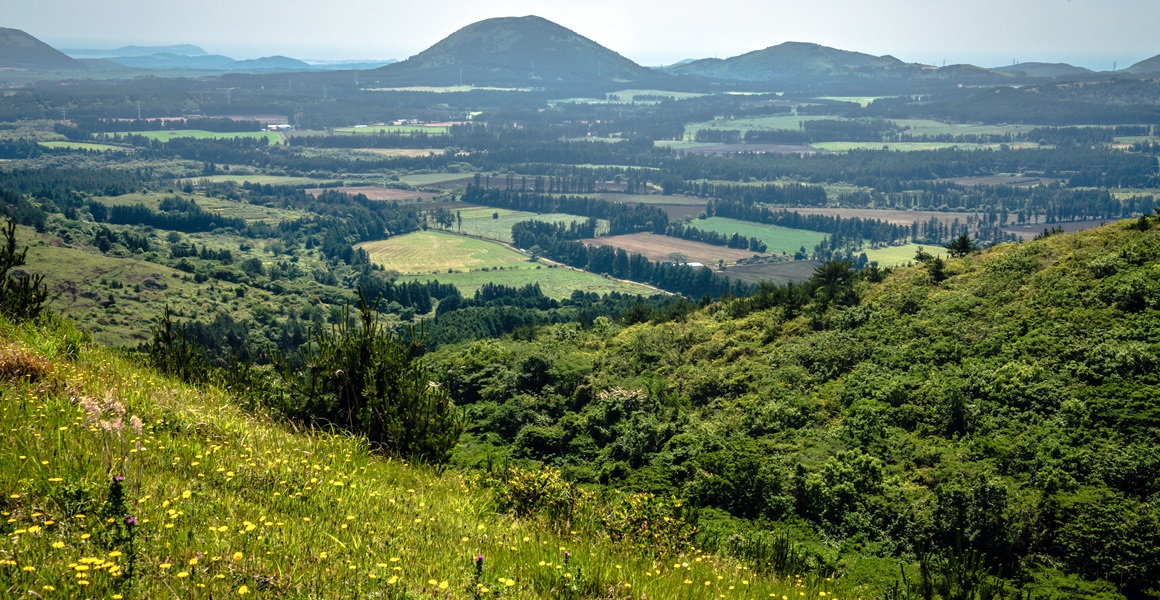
(1095,63)
(1094,34)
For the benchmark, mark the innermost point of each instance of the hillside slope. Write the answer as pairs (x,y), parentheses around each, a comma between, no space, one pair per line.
(523,51)
(122,483)
(1039,69)
(790,61)
(19,50)
(1010,408)
(1148,66)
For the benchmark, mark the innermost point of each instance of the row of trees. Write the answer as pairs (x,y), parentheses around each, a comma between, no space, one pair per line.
(693,282)
(737,241)
(622,217)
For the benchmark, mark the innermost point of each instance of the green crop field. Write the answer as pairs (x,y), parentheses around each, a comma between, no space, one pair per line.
(168,134)
(428,255)
(86,146)
(892,256)
(556,281)
(478,221)
(778,239)
(433,251)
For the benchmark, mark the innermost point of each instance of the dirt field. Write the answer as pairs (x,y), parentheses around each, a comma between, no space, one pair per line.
(677,212)
(777,272)
(658,247)
(1026,232)
(379,193)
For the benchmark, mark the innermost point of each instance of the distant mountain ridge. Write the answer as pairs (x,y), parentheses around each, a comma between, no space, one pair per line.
(1040,69)
(212,62)
(19,50)
(523,51)
(1148,66)
(790,61)
(178,49)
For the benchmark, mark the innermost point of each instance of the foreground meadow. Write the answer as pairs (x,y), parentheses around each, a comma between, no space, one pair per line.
(120,483)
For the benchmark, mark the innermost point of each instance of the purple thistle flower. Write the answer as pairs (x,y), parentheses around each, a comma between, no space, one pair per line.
(119,478)
(130,520)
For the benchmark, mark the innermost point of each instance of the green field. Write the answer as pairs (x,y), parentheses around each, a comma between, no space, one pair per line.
(478,221)
(428,255)
(86,146)
(892,256)
(168,134)
(778,239)
(433,251)
(375,129)
(556,281)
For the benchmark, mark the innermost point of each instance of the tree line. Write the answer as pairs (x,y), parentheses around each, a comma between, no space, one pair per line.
(548,239)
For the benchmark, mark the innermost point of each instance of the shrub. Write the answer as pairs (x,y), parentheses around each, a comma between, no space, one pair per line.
(362,378)
(544,494)
(22,297)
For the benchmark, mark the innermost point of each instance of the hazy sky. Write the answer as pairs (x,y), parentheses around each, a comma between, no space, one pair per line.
(1091,33)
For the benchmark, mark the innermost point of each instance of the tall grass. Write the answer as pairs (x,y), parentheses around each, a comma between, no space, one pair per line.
(216,502)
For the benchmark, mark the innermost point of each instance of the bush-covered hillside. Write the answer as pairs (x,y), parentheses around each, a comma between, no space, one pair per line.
(1006,402)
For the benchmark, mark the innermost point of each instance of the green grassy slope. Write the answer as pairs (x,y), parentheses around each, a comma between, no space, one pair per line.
(216,502)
